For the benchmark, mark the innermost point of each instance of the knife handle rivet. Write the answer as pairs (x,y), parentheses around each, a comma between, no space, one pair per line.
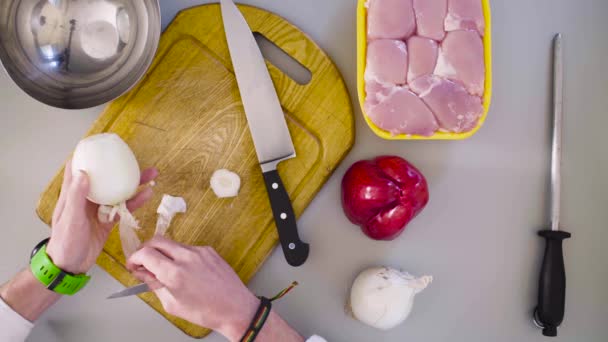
(283,216)
(292,246)
(275,186)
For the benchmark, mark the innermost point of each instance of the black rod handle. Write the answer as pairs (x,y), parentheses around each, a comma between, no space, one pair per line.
(549,312)
(295,251)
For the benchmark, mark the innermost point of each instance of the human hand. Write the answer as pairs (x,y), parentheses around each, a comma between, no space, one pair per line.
(196,284)
(78,237)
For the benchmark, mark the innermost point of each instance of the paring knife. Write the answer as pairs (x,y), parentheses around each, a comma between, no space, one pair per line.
(131,291)
(267,125)
(549,312)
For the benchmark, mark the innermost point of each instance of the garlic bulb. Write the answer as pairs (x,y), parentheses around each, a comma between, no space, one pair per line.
(111,166)
(225,183)
(382,297)
(113,179)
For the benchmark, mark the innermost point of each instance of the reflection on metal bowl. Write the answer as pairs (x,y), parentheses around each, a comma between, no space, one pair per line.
(78,53)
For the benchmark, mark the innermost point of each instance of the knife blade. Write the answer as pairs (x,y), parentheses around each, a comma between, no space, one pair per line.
(266,120)
(131,291)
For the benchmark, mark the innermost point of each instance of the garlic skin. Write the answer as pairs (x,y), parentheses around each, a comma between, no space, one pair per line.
(111,166)
(382,297)
(106,213)
(168,208)
(225,183)
(127,226)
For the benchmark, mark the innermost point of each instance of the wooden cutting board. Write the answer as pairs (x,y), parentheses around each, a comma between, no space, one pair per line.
(186,118)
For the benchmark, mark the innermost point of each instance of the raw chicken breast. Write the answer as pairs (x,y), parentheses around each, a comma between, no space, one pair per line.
(430,18)
(403,112)
(374,93)
(465,15)
(390,19)
(386,61)
(422,57)
(455,109)
(461,59)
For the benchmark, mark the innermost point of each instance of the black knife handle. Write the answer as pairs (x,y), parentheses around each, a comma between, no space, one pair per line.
(549,312)
(296,251)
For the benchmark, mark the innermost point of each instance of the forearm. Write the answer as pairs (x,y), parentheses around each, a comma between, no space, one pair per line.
(27,296)
(275,328)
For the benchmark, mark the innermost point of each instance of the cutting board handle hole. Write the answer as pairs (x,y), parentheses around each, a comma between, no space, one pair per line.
(282,60)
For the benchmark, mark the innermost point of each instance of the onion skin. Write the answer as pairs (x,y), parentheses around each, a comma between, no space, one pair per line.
(111,166)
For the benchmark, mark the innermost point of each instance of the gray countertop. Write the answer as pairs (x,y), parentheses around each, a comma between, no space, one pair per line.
(477,237)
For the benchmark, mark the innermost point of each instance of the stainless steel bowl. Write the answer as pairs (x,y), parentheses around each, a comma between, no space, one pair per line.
(78,53)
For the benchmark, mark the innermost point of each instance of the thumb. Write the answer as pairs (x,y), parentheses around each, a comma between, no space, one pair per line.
(76,200)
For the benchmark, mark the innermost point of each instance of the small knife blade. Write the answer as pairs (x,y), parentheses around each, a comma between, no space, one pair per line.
(131,291)
(266,120)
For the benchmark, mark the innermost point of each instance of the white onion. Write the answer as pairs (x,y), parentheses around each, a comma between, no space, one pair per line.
(225,183)
(383,297)
(111,166)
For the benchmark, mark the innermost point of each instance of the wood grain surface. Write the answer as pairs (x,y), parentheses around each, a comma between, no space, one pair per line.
(185,117)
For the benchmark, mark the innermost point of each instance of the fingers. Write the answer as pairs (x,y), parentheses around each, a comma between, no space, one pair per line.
(148,175)
(144,195)
(67,179)
(155,262)
(147,278)
(67,172)
(140,199)
(76,198)
(174,250)
(148,258)
(168,300)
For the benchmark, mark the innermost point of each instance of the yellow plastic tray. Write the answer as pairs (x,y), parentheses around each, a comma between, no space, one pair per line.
(361,59)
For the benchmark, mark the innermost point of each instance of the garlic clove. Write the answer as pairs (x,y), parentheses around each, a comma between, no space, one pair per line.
(225,183)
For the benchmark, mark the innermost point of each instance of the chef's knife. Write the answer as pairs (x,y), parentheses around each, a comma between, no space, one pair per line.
(131,291)
(549,312)
(267,125)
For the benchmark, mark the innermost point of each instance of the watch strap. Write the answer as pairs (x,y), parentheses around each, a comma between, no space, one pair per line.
(53,277)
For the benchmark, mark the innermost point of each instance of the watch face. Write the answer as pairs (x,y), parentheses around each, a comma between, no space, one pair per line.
(38,246)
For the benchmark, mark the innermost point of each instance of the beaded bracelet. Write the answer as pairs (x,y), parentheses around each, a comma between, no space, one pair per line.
(262,314)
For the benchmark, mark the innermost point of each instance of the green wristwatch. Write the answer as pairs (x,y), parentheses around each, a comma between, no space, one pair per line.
(51,276)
